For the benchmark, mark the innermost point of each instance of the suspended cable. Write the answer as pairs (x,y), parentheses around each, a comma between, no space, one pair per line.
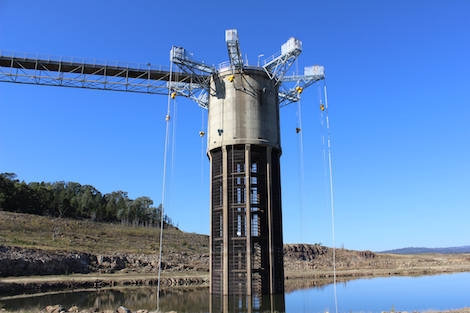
(300,148)
(323,149)
(301,175)
(173,154)
(167,119)
(328,177)
(331,193)
(202,133)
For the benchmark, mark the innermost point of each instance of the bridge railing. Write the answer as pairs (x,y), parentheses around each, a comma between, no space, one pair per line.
(47,58)
(41,69)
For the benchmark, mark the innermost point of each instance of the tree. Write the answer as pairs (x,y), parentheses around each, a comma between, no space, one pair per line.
(115,202)
(69,199)
(8,199)
(90,202)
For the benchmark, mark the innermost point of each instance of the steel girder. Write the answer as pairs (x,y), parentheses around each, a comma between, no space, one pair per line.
(192,80)
(278,65)
(86,73)
(196,84)
(234,51)
(289,95)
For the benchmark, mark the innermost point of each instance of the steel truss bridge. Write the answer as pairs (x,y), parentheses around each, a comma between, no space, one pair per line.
(50,70)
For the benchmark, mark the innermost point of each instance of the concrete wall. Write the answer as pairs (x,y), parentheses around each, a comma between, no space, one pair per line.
(244,111)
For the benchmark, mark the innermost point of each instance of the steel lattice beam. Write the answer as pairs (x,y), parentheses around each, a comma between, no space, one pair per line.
(278,65)
(234,51)
(288,95)
(88,73)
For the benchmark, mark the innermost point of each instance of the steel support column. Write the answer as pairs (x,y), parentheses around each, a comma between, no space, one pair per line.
(248,200)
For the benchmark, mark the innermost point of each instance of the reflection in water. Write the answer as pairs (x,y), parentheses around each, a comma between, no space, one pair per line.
(247,304)
(175,299)
(294,284)
(180,300)
(443,292)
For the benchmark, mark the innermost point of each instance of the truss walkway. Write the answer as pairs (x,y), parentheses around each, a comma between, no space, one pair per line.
(50,70)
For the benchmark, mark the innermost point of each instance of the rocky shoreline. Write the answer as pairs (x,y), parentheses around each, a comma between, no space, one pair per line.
(121,309)
(17,261)
(36,285)
(75,309)
(63,270)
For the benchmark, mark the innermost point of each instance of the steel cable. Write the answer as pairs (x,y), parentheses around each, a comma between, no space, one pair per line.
(163,187)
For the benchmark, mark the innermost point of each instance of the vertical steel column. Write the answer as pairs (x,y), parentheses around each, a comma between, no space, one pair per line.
(270,218)
(225,213)
(211,229)
(248,217)
(276,220)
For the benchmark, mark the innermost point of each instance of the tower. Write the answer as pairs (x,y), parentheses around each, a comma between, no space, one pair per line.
(244,150)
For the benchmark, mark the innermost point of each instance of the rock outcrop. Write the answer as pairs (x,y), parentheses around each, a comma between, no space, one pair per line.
(16,261)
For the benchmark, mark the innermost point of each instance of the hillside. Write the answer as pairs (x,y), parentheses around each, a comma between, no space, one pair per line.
(38,245)
(414,250)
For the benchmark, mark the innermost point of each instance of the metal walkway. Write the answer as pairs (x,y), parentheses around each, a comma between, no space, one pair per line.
(49,70)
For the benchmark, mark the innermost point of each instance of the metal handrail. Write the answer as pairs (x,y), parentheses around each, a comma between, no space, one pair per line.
(23,56)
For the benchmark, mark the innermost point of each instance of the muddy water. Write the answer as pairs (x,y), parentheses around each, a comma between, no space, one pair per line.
(441,292)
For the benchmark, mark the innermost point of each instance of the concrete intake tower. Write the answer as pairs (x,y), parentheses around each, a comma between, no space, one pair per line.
(244,150)
(244,147)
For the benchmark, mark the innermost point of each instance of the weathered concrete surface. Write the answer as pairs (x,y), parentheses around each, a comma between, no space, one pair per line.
(244,111)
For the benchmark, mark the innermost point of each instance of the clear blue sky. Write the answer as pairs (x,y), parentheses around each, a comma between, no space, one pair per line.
(398,92)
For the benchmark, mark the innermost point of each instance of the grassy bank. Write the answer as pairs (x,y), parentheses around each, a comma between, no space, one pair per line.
(189,252)
(33,231)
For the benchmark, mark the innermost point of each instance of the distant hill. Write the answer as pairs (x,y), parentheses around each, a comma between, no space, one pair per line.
(413,250)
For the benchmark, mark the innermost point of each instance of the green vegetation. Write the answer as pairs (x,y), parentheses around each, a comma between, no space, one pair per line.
(72,200)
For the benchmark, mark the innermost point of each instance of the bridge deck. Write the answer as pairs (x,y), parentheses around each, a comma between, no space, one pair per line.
(89,73)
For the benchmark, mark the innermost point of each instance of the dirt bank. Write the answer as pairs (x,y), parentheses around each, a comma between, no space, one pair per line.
(106,255)
(305,266)
(18,261)
(36,284)
(299,260)
(303,258)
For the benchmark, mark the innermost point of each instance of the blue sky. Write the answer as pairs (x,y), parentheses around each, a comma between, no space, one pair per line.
(398,96)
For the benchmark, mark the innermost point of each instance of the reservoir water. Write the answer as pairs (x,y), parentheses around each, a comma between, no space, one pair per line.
(440,292)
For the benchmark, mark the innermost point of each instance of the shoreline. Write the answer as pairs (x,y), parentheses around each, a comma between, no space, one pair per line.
(57,309)
(29,285)
(49,285)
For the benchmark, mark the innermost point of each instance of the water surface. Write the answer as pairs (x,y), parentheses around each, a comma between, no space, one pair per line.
(440,292)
